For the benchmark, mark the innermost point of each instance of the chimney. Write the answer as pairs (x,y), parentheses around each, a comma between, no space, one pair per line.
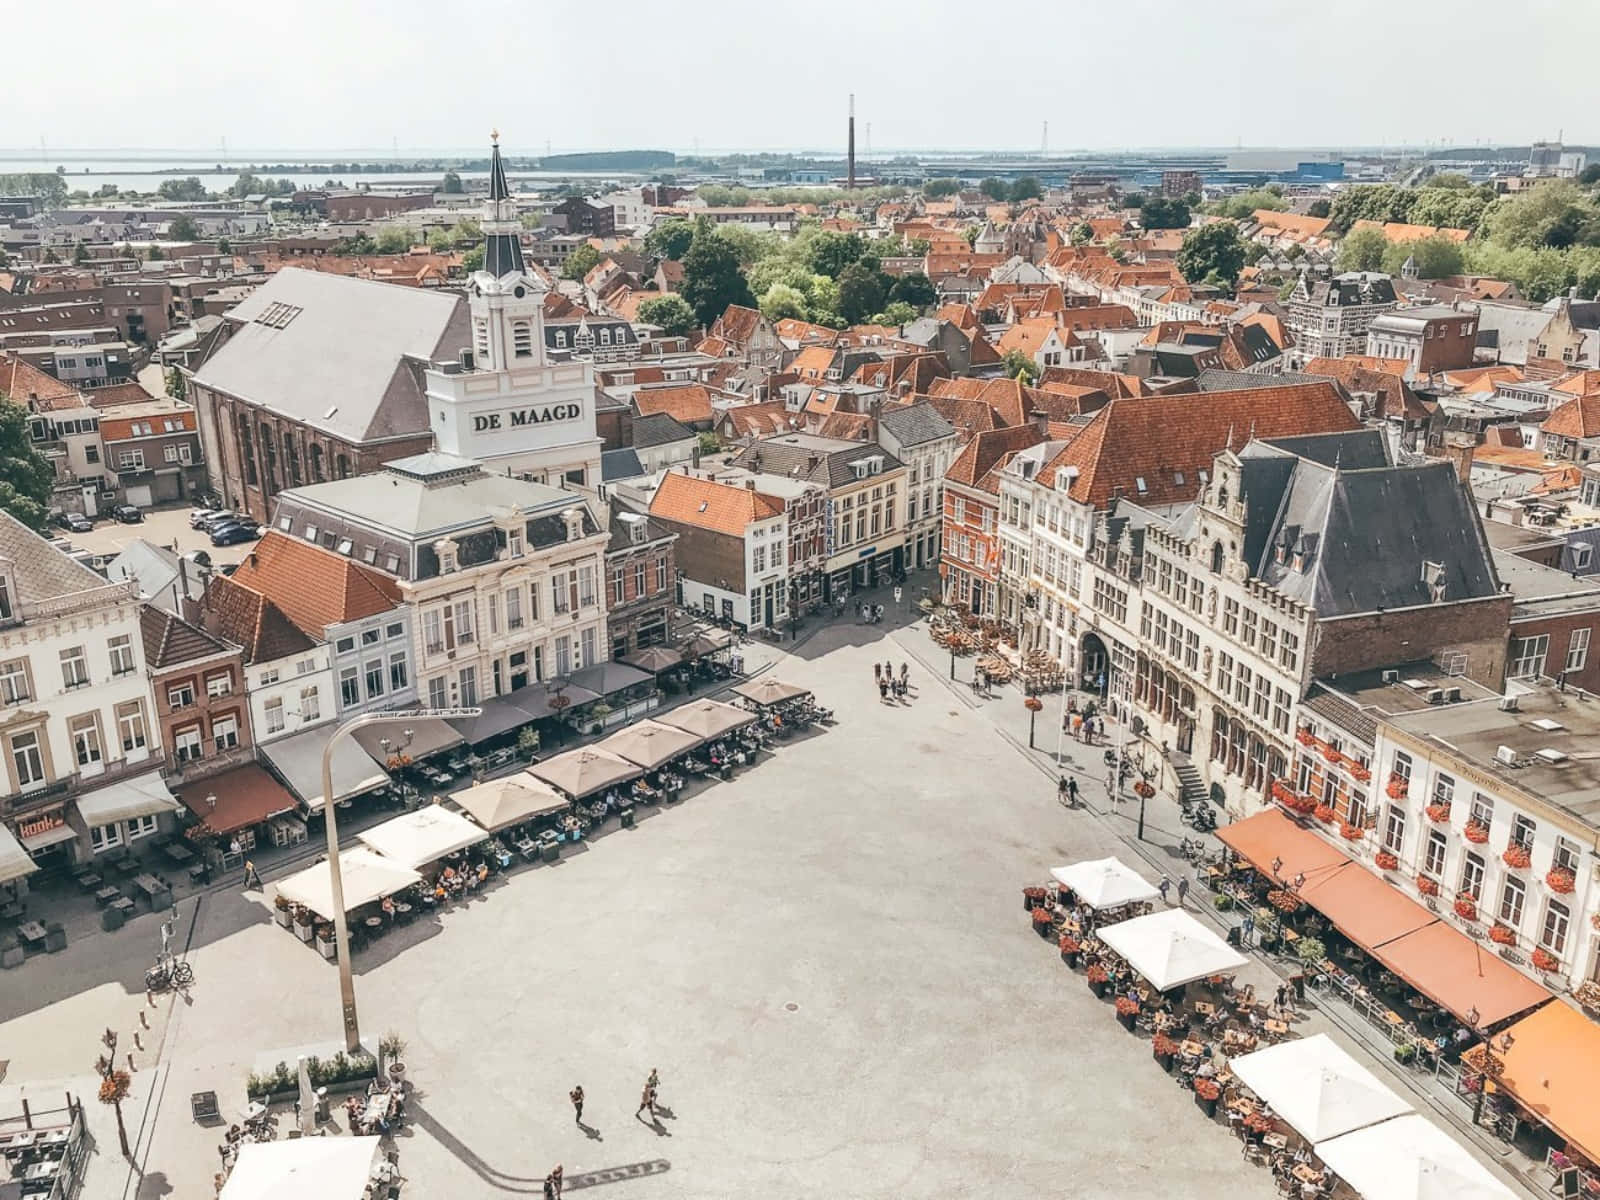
(850,169)
(750,484)
(1459,448)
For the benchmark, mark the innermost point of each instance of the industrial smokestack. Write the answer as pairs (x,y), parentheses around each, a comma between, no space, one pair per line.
(850,167)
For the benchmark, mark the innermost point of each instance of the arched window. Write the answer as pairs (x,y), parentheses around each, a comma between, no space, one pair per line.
(1216,558)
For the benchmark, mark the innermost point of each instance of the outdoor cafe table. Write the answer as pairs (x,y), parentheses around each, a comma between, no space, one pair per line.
(106,895)
(88,881)
(31,931)
(178,852)
(122,904)
(153,888)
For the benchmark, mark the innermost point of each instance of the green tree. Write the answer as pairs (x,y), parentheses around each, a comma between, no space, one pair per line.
(530,220)
(223,246)
(1318,208)
(937,189)
(1212,253)
(1018,365)
(156,253)
(781,300)
(441,241)
(394,240)
(1590,175)
(472,260)
(670,239)
(915,289)
(580,262)
(25,477)
(861,293)
(971,234)
(1025,188)
(832,252)
(50,255)
(1362,250)
(897,312)
(1082,233)
(46,184)
(671,312)
(995,189)
(749,247)
(183,189)
(711,276)
(1242,205)
(1436,257)
(80,252)
(360,244)
(177,387)
(183,229)
(1452,180)
(1164,212)
(452,184)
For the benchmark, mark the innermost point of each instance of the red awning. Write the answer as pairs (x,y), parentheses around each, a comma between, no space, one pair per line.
(1365,909)
(237,799)
(1270,836)
(1460,973)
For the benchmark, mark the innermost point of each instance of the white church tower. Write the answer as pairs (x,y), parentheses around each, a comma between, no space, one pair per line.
(506,404)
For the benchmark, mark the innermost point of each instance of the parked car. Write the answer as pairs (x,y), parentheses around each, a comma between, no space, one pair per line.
(76,522)
(221,517)
(199,516)
(127,514)
(233,532)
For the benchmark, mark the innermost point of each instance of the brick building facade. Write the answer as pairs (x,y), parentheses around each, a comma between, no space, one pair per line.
(641,583)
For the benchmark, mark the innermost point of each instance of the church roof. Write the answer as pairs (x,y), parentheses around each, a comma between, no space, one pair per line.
(502,249)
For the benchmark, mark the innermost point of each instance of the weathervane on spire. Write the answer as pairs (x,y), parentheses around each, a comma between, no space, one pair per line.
(494,136)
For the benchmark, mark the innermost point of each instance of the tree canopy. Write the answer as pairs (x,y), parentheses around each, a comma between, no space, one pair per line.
(1243,204)
(711,276)
(1212,254)
(915,289)
(861,292)
(671,312)
(1436,257)
(1362,250)
(580,262)
(670,239)
(452,184)
(1025,188)
(994,188)
(1018,365)
(183,229)
(937,189)
(182,189)
(1164,212)
(25,477)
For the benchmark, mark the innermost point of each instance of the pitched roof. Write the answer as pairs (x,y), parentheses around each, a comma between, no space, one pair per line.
(622,463)
(170,640)
(314,587)
(1118,387)
(1153,450)
(986,450)
(1393,396)
(814,362)
(747,420)
(245,617)
(1398,232)
(914,424)
(40,571)
(657,429)
(1291,223)
(718,507)
(1577,418)
(688,402)
(812,457)
(737,324)
(26,386)
(343,356)
(1027,337)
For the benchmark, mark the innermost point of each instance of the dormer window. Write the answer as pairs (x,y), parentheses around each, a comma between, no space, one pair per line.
(514,543)
(561,339)
(8,609)
(448,560)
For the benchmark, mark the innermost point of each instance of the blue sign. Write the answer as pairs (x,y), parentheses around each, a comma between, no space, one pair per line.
(867,553)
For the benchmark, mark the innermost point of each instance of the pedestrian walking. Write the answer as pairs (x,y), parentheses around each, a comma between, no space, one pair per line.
(1247,928)
(1162,888)
(883,691)
(1183,890)
(576,1095)
(251,879)
(647,1099)
(904,671)
(556,1178)
(877,672)
(1061,788)
(1072,792)
(1283,998)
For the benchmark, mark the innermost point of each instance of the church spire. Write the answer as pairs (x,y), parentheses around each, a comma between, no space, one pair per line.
(502,241)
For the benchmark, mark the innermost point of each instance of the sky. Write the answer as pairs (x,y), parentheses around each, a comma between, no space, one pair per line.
(743,74)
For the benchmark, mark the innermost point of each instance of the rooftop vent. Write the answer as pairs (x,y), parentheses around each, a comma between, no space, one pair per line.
(1546,725)
(1391,677)
(1508,704)
(1550,756)
(1505,756)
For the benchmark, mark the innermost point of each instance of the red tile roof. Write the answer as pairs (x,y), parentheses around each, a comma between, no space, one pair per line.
(1161,438)
(718,507)
(314,587)
(737,325)
(30,388)
(1394,397)
(1118,387)
(987,450)
(245,617)
(1577,418)
(688,403)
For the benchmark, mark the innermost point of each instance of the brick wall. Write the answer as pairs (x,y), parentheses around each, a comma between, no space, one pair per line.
(1560,629)
(707,557)
(648,606)
(1475,628)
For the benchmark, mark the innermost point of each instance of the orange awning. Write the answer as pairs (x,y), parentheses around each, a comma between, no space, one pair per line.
(1460,974)
(1270,835)
(1551,1070)
(1365,909)
(237,799)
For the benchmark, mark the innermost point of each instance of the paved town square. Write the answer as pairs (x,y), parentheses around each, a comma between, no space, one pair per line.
(825,959)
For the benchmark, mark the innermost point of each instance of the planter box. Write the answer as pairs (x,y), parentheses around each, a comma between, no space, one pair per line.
(327,949)
(1071,957)
(358,1084)
(1127,1020)
(1099,989)
(303,932)
(282,916)
(1209,1107)
(1165,1060)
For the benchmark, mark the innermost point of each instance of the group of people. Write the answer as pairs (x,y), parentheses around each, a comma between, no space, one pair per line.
(1086,725)
(647,1098)
(871,614)
(889,684)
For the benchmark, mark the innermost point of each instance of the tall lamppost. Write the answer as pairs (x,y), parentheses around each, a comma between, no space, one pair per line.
(341,929)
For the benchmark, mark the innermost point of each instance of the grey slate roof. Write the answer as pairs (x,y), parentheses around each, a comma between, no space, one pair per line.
(39,571)
(791,454)
(1214,379)
(341,355)
(620,464)
(658,429)
(915,424)
(1364,535)
(1352,449)
(157,572)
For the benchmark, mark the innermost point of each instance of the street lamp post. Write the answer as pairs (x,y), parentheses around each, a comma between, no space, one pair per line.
(341,929)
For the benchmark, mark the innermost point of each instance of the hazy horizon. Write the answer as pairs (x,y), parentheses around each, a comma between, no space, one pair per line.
(301,79)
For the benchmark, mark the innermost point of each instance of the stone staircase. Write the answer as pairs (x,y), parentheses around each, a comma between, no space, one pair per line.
(1189,783)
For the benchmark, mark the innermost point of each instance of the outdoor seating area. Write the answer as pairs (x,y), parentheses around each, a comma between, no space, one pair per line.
(427,857)
(41,1153)
(1301,1107)
(309,1168)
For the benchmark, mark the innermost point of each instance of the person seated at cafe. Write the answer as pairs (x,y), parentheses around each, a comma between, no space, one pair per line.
(388,907)
(483,872)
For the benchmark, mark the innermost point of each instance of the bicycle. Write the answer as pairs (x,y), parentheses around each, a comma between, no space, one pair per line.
(167,973)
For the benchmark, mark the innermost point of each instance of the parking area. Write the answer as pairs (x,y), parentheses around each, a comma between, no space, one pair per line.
(161,526)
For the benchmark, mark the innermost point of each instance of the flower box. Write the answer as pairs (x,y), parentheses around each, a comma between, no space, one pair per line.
(1127,1006)
(1283,901)
(1033,704)
(1032,897)
(1426,886)
(1543,960)
(1305,737)
(1144,789)
(1099,979)
(1351,833)
(1517,856)
(1071,949)
(1359,772)
(1466,908)
(1561,880)
(1475,832)
(1397,787)
(1301,804)
(1386,860)
(1502,935)
(1329,753)
(1324,813)
(1438,813)
(1043,919)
